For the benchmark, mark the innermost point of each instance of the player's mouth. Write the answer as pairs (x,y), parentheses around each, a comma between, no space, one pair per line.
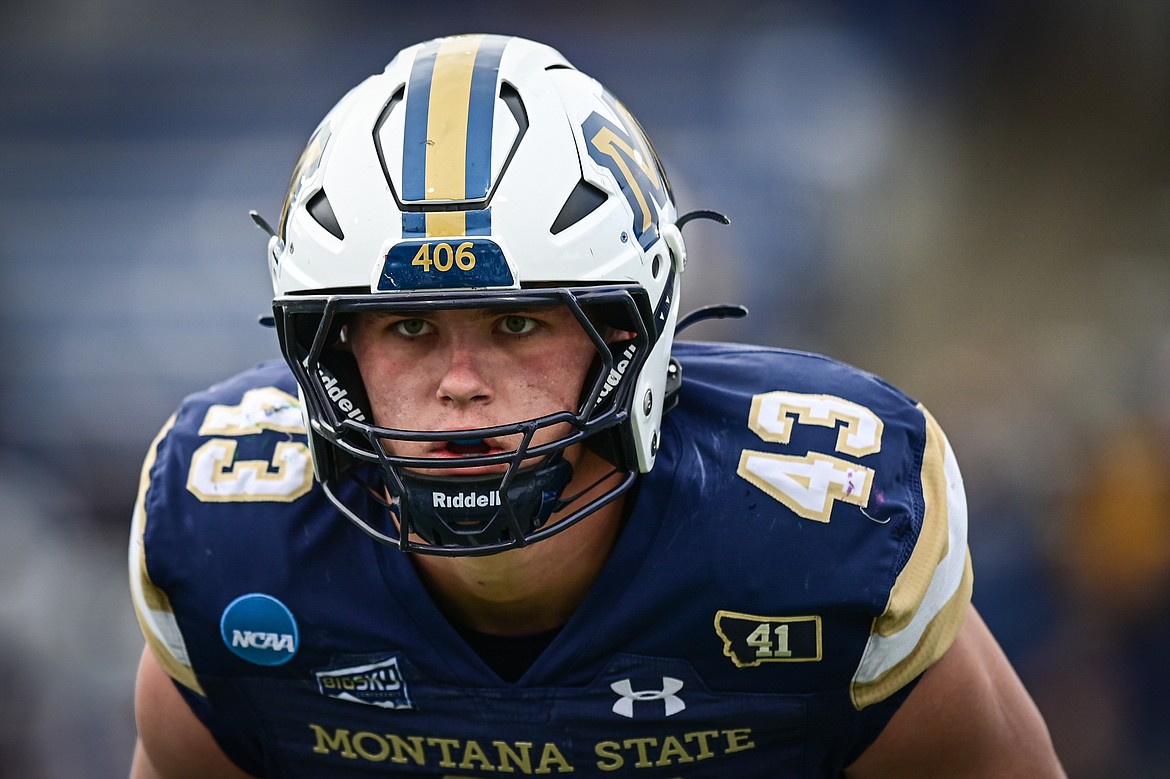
(465,447)
(470,447)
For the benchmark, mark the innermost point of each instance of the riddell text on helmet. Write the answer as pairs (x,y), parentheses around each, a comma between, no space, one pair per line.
(338,394)
(465,500)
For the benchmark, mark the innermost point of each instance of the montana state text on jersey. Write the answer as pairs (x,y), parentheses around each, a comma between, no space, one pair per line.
(787,570)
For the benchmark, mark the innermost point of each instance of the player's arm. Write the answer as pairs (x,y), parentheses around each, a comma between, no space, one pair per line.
(969,716)
(172,742)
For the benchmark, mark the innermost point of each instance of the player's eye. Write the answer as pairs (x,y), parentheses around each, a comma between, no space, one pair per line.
(411,327)
(514,324)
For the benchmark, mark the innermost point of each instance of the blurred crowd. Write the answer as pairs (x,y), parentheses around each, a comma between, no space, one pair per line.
(969,198)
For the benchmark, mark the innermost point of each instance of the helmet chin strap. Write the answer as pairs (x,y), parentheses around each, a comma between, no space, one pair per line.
(471,511)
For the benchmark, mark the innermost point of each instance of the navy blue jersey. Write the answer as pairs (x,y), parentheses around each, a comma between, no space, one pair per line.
(794,561)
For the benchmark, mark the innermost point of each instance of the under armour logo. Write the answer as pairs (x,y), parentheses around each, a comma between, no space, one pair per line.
(625,705)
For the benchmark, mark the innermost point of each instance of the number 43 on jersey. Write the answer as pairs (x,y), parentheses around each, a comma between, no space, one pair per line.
(809,484)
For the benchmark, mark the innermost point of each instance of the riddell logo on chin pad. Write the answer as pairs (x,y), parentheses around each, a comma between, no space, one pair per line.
(465,500)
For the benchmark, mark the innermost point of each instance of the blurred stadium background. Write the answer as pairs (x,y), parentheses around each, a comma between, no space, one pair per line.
(970,198)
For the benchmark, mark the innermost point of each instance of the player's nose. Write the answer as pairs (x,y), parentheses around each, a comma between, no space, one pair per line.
(463,380)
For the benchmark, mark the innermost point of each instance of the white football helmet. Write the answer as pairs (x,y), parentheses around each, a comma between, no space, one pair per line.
(478,171)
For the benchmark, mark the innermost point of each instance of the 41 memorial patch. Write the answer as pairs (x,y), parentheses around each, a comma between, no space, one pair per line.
(750,639)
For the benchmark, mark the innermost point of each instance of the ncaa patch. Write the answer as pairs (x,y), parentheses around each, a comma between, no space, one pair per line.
(260,629)
(378,682)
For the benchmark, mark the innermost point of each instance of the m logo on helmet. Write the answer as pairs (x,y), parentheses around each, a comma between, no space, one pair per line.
(626,151)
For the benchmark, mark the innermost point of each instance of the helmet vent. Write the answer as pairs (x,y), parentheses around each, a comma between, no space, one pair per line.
(512,99)
(319,208)
(582,201)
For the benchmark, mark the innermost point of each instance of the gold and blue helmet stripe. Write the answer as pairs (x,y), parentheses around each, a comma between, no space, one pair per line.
(447,138)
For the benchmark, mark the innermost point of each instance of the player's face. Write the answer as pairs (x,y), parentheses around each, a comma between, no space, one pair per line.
(460,369)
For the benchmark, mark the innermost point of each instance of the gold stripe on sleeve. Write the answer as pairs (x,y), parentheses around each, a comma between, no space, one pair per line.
(931,548)
(151,606)
(935,641)
(929,597)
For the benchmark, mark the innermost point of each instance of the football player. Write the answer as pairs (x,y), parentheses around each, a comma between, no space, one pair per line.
(489,517)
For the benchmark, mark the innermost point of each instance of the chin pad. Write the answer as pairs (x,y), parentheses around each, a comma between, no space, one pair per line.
(470,511)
